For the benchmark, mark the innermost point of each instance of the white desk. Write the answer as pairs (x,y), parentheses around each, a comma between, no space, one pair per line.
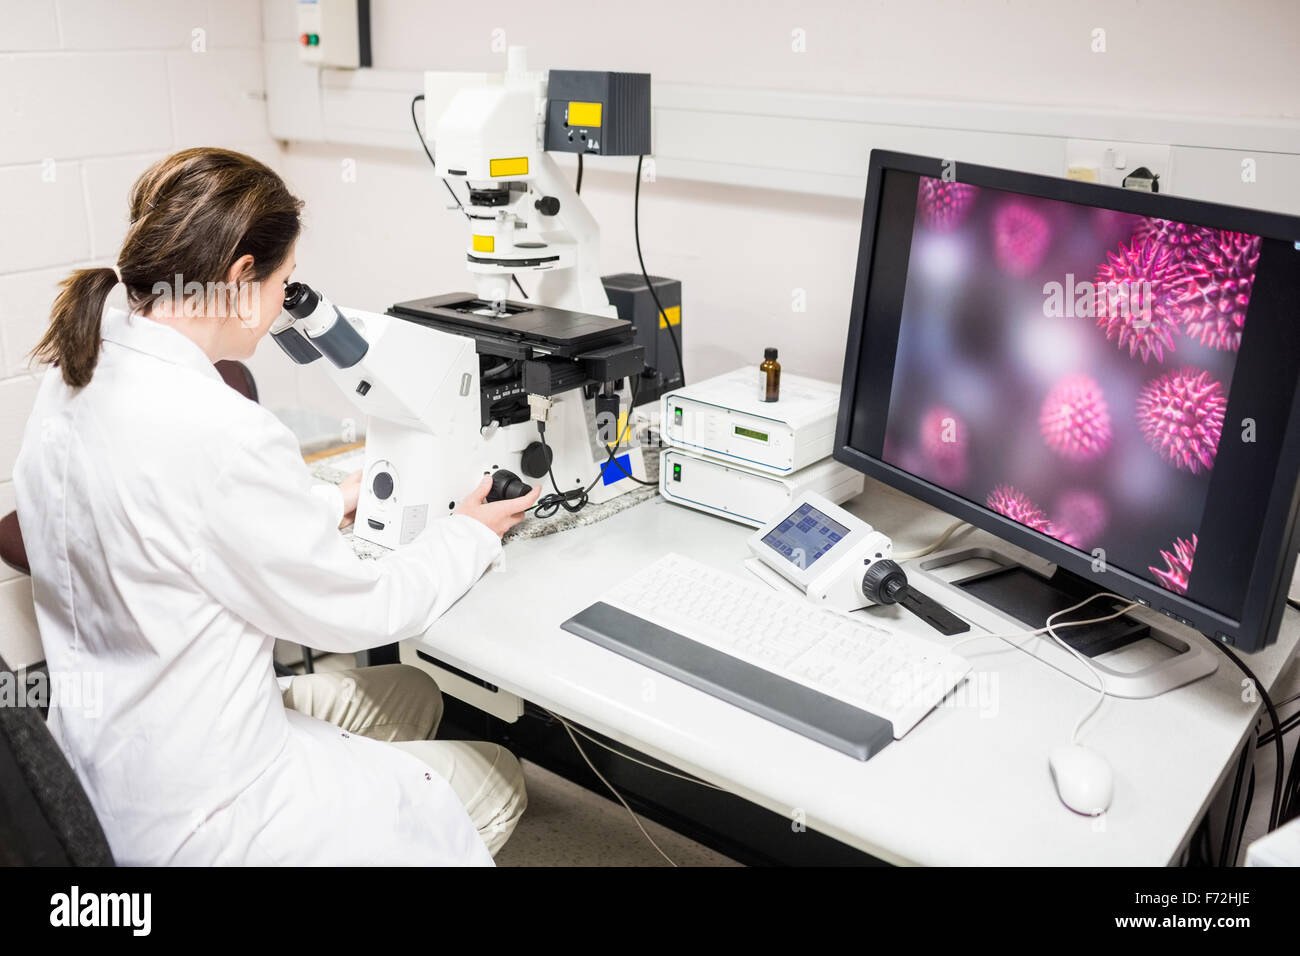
(963,788)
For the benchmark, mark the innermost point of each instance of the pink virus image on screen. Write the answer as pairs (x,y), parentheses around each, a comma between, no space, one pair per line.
(944,206)
(1181,417)
(1180,238)
(1178,566)
(1075,420)
(1218,277)
(1015,504)
(943,443)
(1137,287)
(1080,517)
(1021,236)
(1111,224)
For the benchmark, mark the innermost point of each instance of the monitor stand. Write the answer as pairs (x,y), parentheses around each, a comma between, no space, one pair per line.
(1032,599)
(1027,596)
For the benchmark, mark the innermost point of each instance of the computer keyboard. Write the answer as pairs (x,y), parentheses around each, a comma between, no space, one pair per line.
(836,677)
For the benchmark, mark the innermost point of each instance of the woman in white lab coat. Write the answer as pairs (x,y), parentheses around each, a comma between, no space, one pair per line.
(173,536)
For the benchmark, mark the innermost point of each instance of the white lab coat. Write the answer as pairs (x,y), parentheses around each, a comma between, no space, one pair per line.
(173,536)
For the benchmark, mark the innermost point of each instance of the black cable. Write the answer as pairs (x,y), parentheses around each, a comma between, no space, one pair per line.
(1275,810)
(636,231)
(1228,823)
(1288,725)
(1245,814)
(1291,804)
(1291,795)
(548,505)
(578,188)
(618,464)
(425,146)
(572,501)
(627,474)
(518,286)
(1201,842)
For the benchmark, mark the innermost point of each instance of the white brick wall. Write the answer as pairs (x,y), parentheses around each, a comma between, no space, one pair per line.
(91,93)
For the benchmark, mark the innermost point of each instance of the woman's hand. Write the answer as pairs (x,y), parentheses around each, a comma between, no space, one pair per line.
(499,516)
(351,488)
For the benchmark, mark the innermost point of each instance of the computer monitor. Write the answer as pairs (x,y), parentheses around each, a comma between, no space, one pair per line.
(1104,377)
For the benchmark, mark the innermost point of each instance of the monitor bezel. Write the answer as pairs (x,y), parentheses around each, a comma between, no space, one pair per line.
(1275,556)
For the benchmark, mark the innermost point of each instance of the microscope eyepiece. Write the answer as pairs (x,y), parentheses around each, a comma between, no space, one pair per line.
(299,300)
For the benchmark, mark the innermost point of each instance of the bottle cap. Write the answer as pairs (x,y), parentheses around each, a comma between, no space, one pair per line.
(769,353)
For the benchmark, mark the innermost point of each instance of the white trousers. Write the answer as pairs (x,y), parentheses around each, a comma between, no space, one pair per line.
(402,705)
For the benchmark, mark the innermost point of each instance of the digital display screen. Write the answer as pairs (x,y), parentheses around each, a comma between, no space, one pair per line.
(751,433)
(1097,376)
(804,536)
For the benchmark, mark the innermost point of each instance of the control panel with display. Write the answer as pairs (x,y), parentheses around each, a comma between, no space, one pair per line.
(821,549)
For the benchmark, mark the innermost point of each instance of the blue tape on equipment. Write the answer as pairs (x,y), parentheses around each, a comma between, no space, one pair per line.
(611,472)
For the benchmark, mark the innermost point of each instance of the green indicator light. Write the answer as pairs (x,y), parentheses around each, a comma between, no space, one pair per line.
(677,472)
(313,39)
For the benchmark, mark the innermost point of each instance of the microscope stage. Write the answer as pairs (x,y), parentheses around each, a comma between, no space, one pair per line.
(556,331)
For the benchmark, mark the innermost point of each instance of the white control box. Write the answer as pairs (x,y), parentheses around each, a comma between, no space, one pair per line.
(749,497)
(334,32)
(723,418)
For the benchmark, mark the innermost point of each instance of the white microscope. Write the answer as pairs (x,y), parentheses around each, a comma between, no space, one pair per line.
(459,385)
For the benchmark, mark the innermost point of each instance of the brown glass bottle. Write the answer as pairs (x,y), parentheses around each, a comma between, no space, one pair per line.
(769,377)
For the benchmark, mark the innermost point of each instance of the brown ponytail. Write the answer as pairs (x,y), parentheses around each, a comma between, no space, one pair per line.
(72,340)
(193,215)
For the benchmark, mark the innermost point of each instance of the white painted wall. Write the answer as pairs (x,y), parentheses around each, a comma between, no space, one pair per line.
(1229,57)
(91,93)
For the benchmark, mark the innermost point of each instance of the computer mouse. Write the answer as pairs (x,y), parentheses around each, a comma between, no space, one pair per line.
(1083,779)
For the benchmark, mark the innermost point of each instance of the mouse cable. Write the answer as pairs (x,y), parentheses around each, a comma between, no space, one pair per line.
(1007,638)
(618,796)
(954,528)
(1276,810)
(419,97)
(1101,680)
(1278,807)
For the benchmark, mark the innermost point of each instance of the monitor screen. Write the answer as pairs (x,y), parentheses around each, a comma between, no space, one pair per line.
(804,536)
(1111,372)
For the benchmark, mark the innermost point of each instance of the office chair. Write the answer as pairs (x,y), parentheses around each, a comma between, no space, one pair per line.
(238,377)
(12,550)
(45,816)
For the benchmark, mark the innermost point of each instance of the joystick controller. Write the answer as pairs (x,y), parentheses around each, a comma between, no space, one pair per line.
(506,484)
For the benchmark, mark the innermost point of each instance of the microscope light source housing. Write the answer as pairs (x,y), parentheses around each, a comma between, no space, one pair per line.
(589,111)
